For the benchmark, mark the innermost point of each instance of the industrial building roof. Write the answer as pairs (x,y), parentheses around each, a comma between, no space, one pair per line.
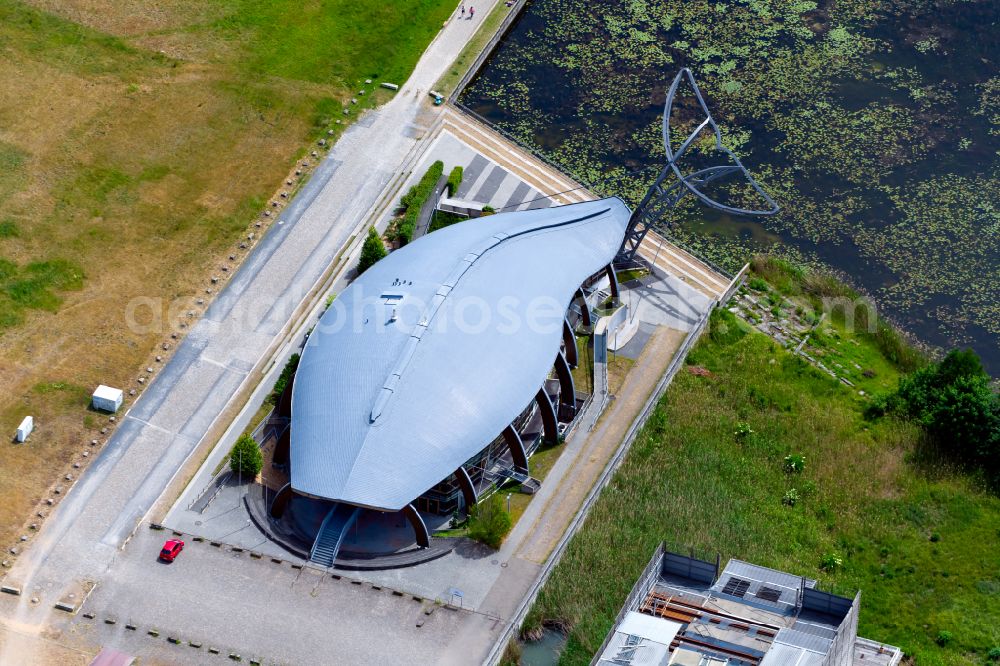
(747,615)
(431,353)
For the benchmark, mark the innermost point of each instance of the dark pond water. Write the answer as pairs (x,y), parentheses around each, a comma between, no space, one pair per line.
(545,651)
(874,123)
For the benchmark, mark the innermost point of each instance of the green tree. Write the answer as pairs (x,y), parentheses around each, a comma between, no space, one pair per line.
(371,251)
(966,415)
(489,522)
(245,458)
(956,405)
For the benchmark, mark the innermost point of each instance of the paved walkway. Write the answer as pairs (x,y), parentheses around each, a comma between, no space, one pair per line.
(528,168)
(673,260)
(595,449)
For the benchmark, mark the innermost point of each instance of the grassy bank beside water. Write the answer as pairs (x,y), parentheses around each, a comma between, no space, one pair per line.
(918,538)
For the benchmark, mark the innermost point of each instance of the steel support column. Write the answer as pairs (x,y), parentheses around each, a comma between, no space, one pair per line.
(468,489)
(516,446)
(280,501)
(584,308)
(567,390)
(569,341)
(613,277)
(417,523)
(550,427)
(282,448)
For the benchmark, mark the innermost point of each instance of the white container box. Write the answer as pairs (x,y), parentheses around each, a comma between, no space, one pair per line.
(107,399)
(23,430)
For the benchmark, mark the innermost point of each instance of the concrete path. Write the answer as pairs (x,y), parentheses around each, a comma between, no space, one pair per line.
(671,259)
(494,147)
(594,450)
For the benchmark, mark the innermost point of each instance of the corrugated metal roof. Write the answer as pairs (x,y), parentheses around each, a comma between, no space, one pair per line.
(653,628)
(762,587)
(787,655)
(800,645)
(643,652)
(392,393)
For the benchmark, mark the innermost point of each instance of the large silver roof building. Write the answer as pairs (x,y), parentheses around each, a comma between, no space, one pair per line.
(683,611)
(432,355)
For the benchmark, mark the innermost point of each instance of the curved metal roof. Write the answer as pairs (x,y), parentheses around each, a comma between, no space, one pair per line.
(430,353)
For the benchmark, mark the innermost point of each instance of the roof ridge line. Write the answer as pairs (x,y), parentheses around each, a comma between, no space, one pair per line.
(386,392)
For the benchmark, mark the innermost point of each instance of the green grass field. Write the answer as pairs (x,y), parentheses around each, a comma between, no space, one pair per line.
(920,542)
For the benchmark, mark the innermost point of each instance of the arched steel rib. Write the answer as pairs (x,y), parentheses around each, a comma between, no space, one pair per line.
(660,198)
(673,157)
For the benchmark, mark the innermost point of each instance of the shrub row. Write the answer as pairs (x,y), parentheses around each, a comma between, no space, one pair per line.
(282,382)
(455,180)
(414,199)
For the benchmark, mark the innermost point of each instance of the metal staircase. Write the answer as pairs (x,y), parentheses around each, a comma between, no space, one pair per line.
(507,471)
(332,532)
(529,485)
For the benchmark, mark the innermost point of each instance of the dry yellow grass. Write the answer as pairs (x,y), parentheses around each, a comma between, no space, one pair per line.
(145,170)
(157,237)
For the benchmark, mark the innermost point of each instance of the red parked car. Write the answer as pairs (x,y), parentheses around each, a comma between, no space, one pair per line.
(171,549)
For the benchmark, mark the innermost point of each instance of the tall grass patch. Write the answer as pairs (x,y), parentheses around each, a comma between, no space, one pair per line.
(820,288)
(711,470)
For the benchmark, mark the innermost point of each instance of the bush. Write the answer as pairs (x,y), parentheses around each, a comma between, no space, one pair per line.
(246,458)
(742,432)
(790,498)
(372,250)
(454,181)
(954,402)
(414,200)
(993,654)
(725,328)
(283,378)
(831,562)
(489,522)
(943,638)
(795,464)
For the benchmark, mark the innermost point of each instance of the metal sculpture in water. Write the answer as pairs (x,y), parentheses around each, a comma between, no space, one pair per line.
(663,196)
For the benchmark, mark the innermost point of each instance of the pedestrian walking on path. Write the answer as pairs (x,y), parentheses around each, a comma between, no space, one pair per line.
(472,12)
(463,11)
